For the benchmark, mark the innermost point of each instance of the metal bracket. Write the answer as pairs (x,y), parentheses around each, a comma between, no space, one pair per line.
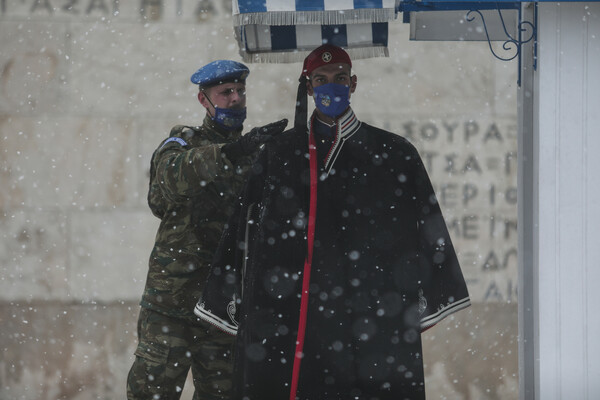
(526,30)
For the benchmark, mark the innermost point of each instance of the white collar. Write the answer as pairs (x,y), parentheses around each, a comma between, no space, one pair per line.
(347,125)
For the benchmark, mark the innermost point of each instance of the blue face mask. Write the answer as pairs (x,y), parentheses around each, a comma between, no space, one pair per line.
(229,118)
(332,99)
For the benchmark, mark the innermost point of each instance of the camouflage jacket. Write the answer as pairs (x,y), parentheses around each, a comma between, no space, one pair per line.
(193,188)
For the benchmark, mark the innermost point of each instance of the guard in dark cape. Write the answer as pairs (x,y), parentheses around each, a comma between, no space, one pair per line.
(336,258)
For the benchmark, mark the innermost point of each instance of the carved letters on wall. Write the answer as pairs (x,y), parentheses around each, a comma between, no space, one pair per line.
(148,10)
(473,166)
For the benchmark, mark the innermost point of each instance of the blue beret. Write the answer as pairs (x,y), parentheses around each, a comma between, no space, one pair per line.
(220,71)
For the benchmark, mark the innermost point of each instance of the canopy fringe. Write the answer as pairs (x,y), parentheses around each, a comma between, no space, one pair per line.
(327,17)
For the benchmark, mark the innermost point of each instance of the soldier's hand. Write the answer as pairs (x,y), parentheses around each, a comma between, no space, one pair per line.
(251,141)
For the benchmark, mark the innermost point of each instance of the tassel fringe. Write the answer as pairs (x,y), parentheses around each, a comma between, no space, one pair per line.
(327,17)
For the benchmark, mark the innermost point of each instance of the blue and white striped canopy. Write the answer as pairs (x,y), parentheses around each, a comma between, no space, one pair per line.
(287,30)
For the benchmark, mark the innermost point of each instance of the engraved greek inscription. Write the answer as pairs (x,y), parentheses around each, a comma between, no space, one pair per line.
(466,227)
(97,4)
(71,7)
(205,10)
(471,129)
(151,9)
(45,4)
(450,128)
(471,165)
(500,292)
(493,133)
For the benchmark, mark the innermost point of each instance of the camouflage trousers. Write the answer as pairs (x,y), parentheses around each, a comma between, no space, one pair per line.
(168,348)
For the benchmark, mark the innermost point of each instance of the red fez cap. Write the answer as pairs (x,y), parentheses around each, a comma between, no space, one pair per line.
(323,55)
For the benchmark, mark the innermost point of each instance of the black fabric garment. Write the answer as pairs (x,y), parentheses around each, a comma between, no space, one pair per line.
(383,269)
(324,137)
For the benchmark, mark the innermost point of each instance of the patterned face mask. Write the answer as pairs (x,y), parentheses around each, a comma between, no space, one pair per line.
(230,118)
(332,99)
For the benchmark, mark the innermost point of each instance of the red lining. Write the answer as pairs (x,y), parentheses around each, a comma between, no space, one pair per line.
(312,150)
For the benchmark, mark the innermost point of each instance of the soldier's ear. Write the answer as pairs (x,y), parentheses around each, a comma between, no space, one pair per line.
(309,88)
(353,81)
(203,100)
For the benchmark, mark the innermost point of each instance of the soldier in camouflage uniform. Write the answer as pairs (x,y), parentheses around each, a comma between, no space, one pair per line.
(195,176)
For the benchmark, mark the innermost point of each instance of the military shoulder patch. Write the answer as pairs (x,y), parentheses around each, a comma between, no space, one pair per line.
(174,139)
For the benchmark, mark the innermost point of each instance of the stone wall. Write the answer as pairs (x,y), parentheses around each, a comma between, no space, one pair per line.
(89,88)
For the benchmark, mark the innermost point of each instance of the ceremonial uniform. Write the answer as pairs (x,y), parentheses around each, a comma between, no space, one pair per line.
(195,177)
(383,268)
(335,261)
(192,190)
